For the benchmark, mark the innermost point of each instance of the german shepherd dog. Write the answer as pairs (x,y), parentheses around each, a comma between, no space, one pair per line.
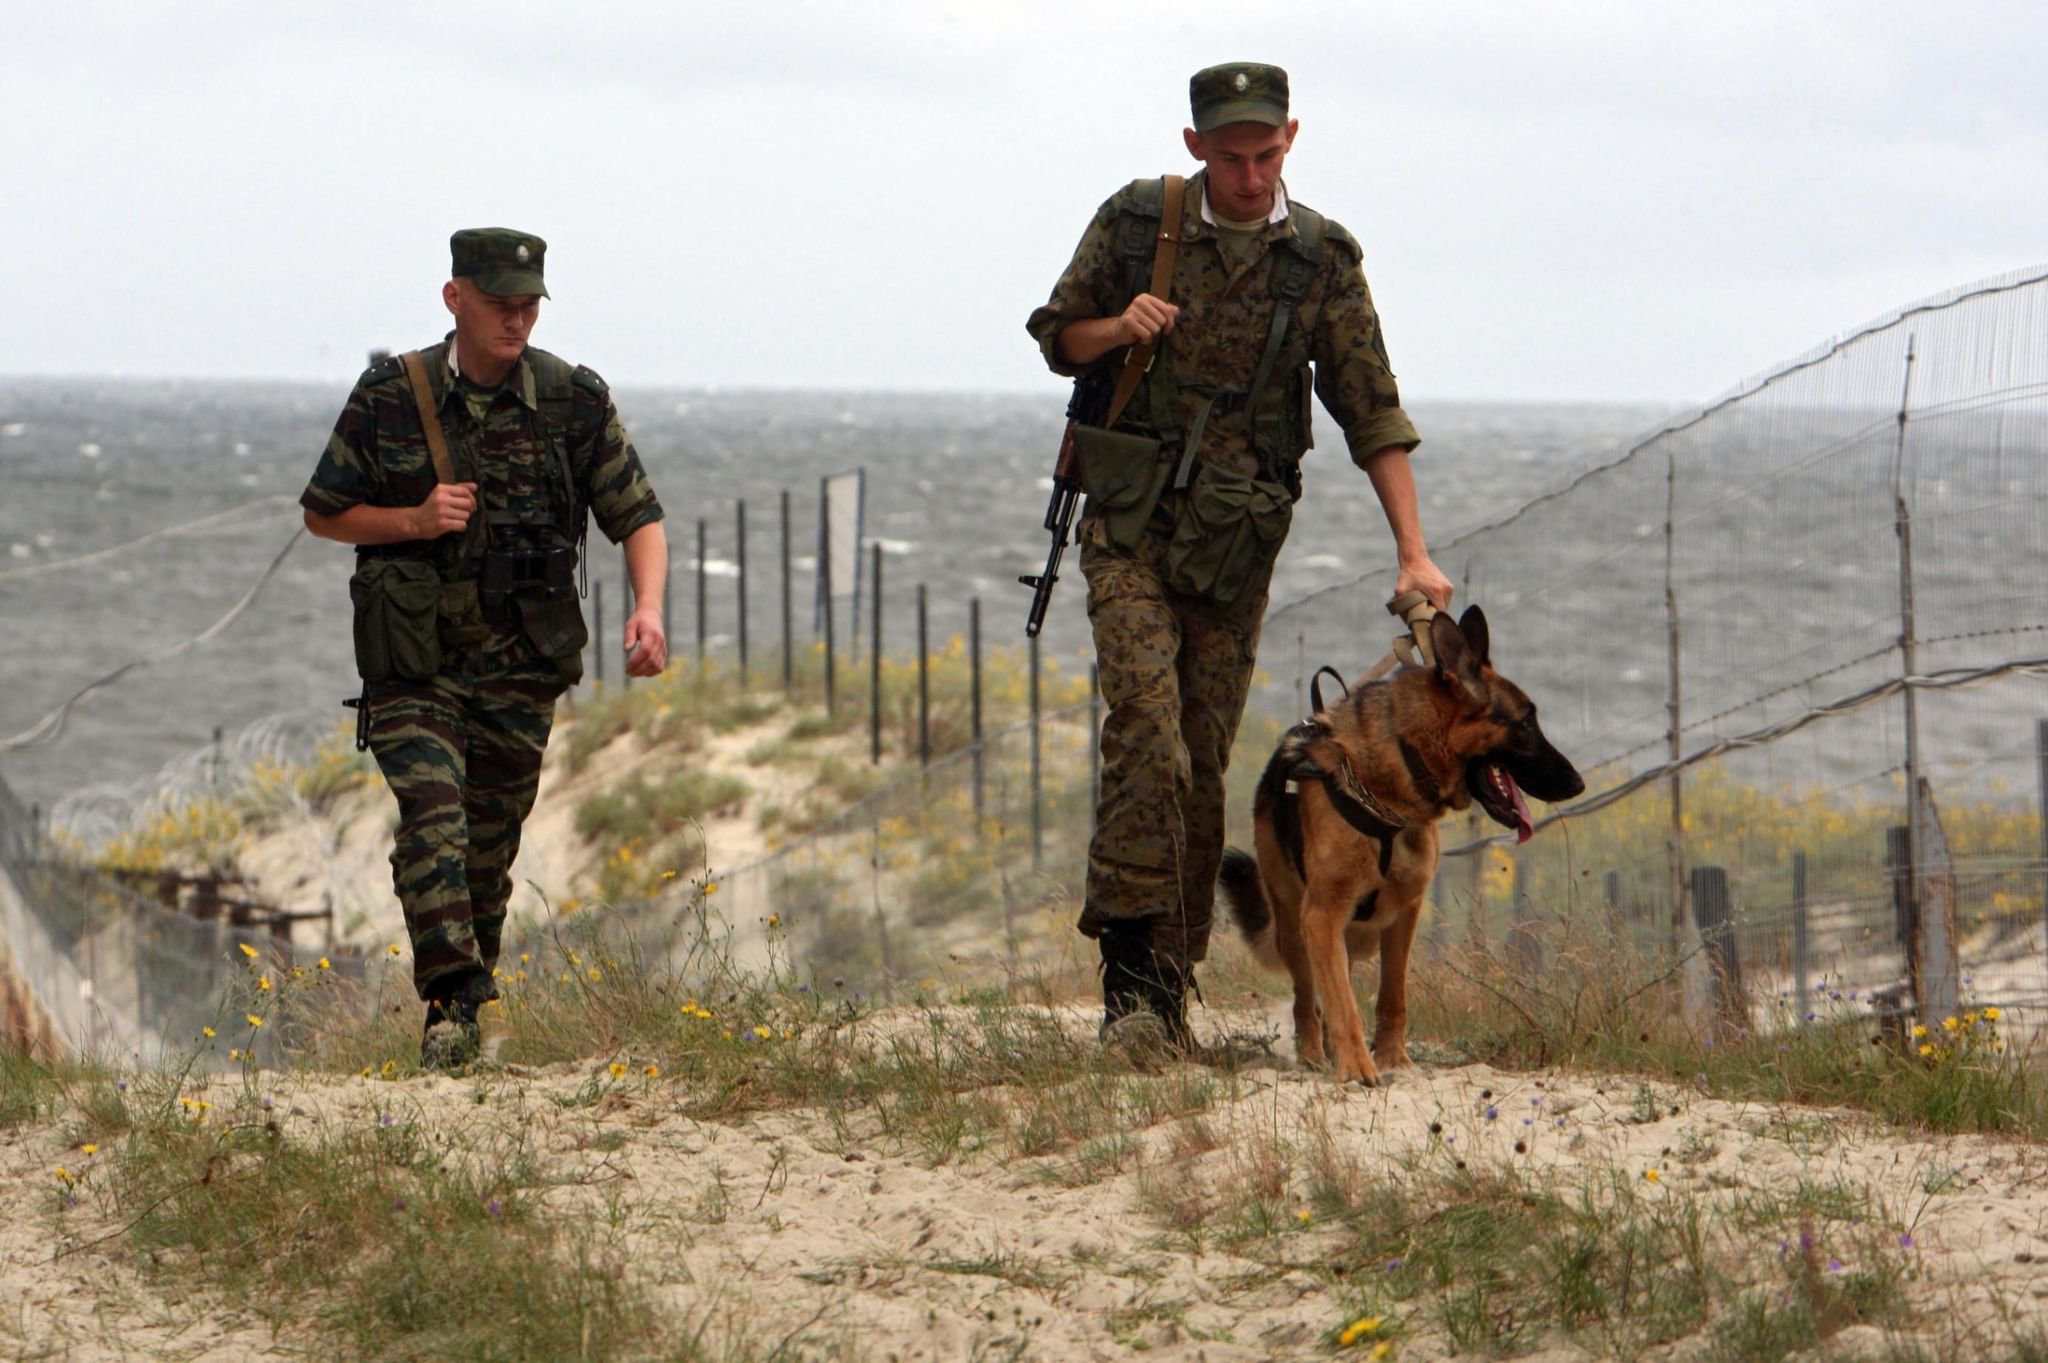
(1344,824)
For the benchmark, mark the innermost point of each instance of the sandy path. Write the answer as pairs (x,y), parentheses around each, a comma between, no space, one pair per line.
(809,1225)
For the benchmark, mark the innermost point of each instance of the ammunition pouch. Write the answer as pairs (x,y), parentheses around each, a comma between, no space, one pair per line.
(1227,531)
(397,619)
(533,590)
(1124,476)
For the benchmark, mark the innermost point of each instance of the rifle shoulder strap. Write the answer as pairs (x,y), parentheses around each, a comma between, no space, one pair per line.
(430,420)
(1139,358)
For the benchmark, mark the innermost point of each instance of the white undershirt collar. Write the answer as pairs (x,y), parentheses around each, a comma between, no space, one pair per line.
(1279,213)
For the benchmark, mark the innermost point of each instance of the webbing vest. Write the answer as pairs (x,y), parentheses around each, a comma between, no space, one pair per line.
(555,382)
(1276,413)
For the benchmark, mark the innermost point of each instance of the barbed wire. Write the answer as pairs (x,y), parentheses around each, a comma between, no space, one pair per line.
(203,523)
(1949,680)
(51,726)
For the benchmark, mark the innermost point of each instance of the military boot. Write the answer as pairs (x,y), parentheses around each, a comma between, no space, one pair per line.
(1144,994)
(453,1037)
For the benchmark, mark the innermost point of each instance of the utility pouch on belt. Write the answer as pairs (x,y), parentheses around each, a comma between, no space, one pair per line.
(1123,476)
(553,620)
(1227,531)
(397,619)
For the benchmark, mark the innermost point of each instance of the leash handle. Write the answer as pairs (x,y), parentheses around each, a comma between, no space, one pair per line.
(1412,608)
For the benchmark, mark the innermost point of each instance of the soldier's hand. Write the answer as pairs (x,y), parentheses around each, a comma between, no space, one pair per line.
(447,508)
(1424,576)
(1146,319)
(646,645)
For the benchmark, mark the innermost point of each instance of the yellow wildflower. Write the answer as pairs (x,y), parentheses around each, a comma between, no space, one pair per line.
(728,1036)
(596,974)
(1991,1015)
(1651,1175)
(1926,1049)
(254,1021)
(774,920)
(234,1053)
(326,964)
(1304,1216)
(263,983)
(248,950)
(209,1032)
(1357,1330)
(652,1071)
(393,948)
(1949,1024)
(367,1071)
(618,1070)
(88,1149)
(390,1068)
(710,887)
(526,958)
(1383,1349)
(764,1033)
(63,1173)
(1919,1030)
(668,875)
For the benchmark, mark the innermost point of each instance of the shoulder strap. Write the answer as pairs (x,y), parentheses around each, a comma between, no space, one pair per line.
(1294,271)
(1139,358)
(430,420)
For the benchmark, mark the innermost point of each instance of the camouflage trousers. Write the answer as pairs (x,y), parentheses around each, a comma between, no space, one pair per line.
(1174,672)
(462,755)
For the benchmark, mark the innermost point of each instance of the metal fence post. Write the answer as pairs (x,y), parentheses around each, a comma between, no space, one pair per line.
(1037,790)
(875,666)
(1909,663)
(1802,988)
(2041,773)
(974,704)
(788,641)
(924,683)
(831,646)
(1898,865)
(1710,910)
(701,593)
(740,557)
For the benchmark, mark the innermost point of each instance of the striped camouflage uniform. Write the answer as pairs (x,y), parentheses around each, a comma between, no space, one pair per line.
(462,751)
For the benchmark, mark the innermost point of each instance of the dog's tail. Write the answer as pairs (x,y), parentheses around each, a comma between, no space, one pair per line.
(1245,896)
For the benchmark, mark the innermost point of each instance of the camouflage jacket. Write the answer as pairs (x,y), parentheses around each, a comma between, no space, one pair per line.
(378,455)
(1226,313)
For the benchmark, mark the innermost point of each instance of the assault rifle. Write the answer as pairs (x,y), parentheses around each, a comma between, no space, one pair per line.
(1086,407)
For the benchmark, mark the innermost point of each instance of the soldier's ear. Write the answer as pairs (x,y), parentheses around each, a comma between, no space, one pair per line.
(451,293)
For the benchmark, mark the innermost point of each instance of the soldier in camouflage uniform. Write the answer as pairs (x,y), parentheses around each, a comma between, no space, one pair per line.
(468,627)
(1267,302)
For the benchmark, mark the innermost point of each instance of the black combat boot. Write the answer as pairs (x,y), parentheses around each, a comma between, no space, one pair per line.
(453,1038)
(1144,994)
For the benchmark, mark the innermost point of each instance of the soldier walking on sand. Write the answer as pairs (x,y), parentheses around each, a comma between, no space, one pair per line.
(1190,490)
(463,474)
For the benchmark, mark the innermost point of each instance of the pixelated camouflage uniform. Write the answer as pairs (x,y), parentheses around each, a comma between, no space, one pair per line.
(462,751)
(1175,669)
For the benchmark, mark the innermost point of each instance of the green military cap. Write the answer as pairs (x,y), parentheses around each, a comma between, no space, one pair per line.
(1238,92)
(500,260)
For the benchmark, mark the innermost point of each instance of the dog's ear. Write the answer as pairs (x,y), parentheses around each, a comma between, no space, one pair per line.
(1472,624)
(1455,661)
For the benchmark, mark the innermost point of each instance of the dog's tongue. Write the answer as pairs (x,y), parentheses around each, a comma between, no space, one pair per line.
(1525,826)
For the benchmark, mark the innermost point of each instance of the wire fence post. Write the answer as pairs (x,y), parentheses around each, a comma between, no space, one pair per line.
(626,604)
(974,707)
(1802,985)
(2041,775)
(1909,663)
(702,627)
(740,558)
(788,641)
(1674,737)
(1037,788)
(924,683)
(831,645)
(875,665)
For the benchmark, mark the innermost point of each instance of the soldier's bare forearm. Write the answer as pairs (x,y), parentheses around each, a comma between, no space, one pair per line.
(647,565)
(1088,340)
(367,525)
(1394,482)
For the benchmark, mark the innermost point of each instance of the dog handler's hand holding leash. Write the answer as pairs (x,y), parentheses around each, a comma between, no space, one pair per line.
(1412,648)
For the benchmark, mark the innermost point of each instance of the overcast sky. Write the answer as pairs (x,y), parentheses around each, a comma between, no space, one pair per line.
(1557,200)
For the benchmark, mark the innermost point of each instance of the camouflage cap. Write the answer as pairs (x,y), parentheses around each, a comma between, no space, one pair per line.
(1238,92)
(500,260)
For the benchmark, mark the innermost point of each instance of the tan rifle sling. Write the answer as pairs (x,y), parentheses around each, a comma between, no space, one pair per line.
(430,420)
(1139,359)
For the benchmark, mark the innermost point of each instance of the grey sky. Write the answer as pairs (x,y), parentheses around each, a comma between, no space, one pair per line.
(1568,200)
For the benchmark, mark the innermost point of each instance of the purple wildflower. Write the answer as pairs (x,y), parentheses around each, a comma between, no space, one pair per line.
(1906,1240)
(1491,1112)
(383,1119)
(492,1208)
